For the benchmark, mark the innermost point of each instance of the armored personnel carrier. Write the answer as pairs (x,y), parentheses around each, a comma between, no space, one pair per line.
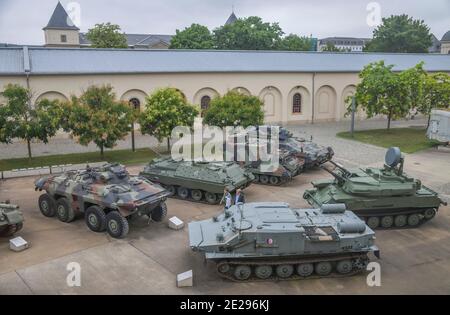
(107,195)
(11,219)
(197,181)
(385,197)
(271,241)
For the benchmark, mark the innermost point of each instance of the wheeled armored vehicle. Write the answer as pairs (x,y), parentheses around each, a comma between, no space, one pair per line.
(107,195)
(384,197)
(11,219)
(197,181)
(271,241)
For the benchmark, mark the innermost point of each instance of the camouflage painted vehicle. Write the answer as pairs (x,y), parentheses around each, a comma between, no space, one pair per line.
(271,241)
(384,197)
(107,195)
(197,181)
(11,219)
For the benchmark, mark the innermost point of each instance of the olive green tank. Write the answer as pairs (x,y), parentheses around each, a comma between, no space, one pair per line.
(11,219)
(197,181)
(385,197)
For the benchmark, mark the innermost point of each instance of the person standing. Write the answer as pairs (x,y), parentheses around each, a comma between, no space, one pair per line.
(240,197)
(227,198)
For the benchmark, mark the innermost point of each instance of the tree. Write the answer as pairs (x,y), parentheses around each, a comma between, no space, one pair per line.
(235,109)
(166,109)
(381,91)
(330,47)
(96,116)
(413,80)
(18,119)
(436,93)
(195,36)
(295,43)
(106,35)
(401,34)
(248,34)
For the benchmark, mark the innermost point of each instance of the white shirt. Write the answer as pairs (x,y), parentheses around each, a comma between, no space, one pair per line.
(228,200)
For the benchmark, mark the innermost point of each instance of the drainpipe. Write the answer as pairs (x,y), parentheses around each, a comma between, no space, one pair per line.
(27,69)
(313,97)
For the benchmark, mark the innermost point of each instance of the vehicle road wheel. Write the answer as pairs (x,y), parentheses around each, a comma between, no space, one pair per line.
(284,271)
(159,213)
(344,266)
(429,214)
(373,222)
(274,180)
(116,225)
(400,220)
(183,192)
(10,229)
(256,178)
(323,268)
(64,211)
(197,194)
(95,219)
(264,179)
(47,205)
(413,220)
(211,198)
(242,272)
(171,189)
(387,221)
(305,270)
(263,272)
(224,268)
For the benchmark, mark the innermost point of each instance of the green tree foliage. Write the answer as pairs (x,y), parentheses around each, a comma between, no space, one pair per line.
(248,34)
(436,93)
(235,109)
(330,47)
(18,119)
(195,36)
(401,34)
(413,80)
(295,43)
(382,91)
(96,116)
(106,35)
(166,109)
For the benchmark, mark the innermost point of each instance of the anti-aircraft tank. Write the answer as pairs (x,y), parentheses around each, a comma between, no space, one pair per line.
(271,241)
(197,181)
(107,195)
(384,197)
(11,219)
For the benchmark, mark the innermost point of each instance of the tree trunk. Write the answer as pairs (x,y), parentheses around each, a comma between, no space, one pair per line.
(429,120)
(29,149)
(133,145)
(101,151)
(168,144)
(389,120)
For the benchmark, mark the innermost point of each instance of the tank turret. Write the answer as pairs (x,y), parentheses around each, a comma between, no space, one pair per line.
(11,219)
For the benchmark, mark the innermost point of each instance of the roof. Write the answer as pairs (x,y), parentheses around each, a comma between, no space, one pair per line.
(60,19)
(446,37)
(44,60)
(136,39)
(345,40)
(231,19)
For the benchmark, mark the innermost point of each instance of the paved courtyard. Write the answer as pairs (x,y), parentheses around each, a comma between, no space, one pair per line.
(148,259)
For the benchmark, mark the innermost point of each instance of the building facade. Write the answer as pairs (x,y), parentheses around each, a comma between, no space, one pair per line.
(349,44)
(445,43)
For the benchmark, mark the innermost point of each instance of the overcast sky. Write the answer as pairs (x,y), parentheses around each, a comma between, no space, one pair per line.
(21,21)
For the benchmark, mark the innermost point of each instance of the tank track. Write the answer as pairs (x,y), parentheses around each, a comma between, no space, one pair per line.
(282,180)
(359,263)
(394,222)
(11,229)
(189,198)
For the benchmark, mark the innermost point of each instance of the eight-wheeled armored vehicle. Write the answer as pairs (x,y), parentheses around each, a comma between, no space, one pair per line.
(107,195)
(197,181)
(266,240)
(11,219)
(385,197)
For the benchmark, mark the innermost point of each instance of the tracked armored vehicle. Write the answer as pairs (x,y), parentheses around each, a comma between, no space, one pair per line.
(384,197)
(11,219)
(197,181)
(107,195)
(271,241)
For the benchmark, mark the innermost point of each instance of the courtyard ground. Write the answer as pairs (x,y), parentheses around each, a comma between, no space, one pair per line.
(149,258)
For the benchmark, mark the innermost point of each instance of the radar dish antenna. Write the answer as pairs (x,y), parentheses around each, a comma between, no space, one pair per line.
(393,157)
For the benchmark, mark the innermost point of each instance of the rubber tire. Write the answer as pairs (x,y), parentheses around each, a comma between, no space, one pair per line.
(51,205)
(100,217)
(224,268)
(387,222)
(211,198)
(242,272)
(401,221)
(183,192)
(305,270)
(263,272)
(67,214)
(373,222)
(11,229)
(122,224)
(197,193)
(274,180)
(264,179)
(413,220)
(429,213)
(344,267)
(159,213)
(171,189)
(323,268)
(284,271)
(256,180)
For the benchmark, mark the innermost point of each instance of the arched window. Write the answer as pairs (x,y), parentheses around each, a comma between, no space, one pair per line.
(135,103)
(297,103)
(204,102)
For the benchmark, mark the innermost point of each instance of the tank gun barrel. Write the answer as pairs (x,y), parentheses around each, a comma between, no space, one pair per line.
(338,177)
(339,166)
